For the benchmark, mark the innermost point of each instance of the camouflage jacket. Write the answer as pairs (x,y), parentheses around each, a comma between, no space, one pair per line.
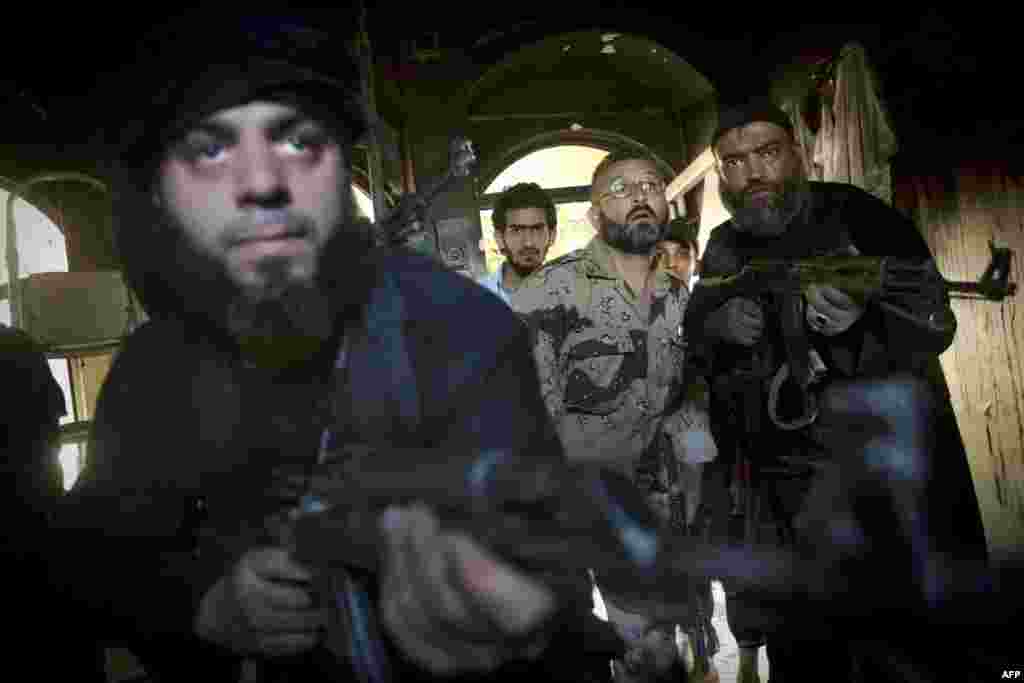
(611,381)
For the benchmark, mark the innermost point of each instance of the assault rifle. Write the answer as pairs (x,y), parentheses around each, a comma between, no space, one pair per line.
(409,222)
(551,517)
(914,292)
(543,515)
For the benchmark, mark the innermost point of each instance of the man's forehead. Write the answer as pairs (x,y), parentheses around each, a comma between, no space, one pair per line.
(629,169)
(260,113)
(749,137)
(526,215)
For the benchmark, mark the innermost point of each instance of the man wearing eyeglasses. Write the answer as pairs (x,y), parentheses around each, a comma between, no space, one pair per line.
(525,227)
(606,325)
(607,340)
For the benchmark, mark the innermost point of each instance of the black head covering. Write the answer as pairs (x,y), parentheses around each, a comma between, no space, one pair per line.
(188,69)
(197,64)
(742,114)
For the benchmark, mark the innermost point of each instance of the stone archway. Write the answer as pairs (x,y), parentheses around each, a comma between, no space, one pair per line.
(609,141)
(564,173)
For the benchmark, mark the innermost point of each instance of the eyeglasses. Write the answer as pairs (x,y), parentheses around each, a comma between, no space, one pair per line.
(620,188)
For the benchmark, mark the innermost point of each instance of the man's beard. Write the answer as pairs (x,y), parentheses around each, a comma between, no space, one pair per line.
(766,221)
(521,269)
(282,320)
(636,238)
(277,323)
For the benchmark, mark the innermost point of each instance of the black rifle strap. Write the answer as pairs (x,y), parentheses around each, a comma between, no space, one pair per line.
(376,399)
(794,337)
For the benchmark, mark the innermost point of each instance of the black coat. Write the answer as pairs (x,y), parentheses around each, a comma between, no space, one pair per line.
(878,346)
(185,432)
(32,485)
(33,404)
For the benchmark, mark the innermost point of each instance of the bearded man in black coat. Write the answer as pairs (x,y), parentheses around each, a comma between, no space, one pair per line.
(277,333)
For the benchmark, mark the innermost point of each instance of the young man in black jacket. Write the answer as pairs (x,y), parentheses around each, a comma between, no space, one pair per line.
(277,335)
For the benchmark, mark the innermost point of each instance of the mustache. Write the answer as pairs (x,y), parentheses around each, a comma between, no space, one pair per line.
(639,211)
(754,189)
(267,224)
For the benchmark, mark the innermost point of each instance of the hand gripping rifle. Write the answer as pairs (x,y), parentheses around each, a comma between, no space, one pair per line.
(552,518)
(913,292)
(543,515)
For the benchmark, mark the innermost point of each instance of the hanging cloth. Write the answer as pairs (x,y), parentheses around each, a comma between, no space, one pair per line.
(856,139)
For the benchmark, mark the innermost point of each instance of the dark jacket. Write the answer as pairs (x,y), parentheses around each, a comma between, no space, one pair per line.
(879,345)
(839,216)
(187,437)
(32,484)
(33,405)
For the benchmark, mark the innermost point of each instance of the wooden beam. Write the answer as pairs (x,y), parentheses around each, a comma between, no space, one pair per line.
(691,175)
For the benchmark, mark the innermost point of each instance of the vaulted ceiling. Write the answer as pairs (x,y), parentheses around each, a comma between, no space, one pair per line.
(598,70)
(666,54)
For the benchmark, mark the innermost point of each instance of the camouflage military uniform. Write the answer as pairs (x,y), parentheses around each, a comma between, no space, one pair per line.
(611,375)
(611,372)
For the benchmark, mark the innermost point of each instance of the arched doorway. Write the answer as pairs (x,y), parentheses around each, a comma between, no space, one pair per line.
(563,164)
(555,169)
(589,88)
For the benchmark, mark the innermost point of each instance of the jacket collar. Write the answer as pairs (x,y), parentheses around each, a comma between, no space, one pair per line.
(601,265)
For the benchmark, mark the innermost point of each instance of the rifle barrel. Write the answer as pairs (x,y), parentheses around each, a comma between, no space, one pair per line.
(984,290)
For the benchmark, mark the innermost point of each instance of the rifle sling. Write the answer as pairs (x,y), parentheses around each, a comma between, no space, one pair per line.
(791,318)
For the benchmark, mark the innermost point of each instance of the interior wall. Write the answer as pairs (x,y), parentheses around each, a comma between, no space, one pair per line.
(959,209)
(959,202)
(698,126)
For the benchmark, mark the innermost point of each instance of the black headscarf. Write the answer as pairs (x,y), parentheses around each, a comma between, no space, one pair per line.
(200,65)
(742,114)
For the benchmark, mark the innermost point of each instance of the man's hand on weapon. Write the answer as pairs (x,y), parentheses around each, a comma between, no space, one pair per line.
(830,311)
(264,606)
(649,658)
(738,321)
(450,605)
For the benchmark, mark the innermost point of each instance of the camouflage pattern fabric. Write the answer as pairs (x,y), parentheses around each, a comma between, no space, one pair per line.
(611,372)
(612,378)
